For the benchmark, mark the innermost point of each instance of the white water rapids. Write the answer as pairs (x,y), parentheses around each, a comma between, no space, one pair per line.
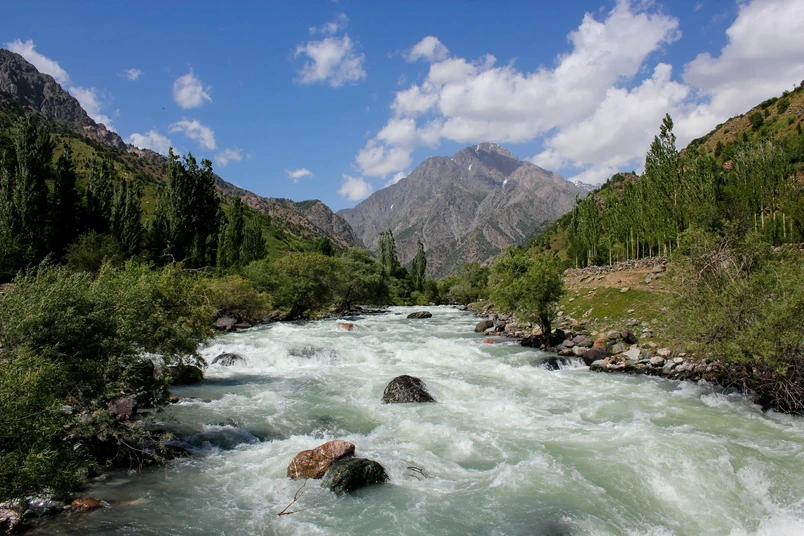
(511,448)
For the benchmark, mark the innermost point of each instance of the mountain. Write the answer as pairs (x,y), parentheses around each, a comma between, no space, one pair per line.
(465,208)
(584,187)
(23,87)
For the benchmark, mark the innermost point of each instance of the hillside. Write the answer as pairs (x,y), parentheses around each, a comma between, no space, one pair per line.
(23,88)
(465,208)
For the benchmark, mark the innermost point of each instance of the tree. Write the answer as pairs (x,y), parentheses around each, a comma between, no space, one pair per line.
(126,217)
(364,280)
(233,236)
(419,267)
(757,120)
(387,252)
(254,246)
(100,191)
(24,196)
(324,246)
(187,219)
(65,205)
(528,287)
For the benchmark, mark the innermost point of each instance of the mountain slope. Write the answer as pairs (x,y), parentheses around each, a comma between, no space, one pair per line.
(23,87)
(465,208)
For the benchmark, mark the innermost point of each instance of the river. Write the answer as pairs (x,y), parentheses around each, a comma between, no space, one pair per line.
(511,448)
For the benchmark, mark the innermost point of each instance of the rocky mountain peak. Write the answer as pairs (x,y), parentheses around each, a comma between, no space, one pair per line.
(23,83)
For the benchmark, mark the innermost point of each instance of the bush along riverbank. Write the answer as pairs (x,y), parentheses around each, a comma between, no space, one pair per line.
(727,313)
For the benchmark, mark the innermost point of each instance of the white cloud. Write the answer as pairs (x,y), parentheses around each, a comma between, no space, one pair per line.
(333,60)
(88,98)
(762,58)
(228,155)
(297,174)
(132,74)
(151,140)
(474,101)
(429,48)
(332,27)
(43,64)
(396,178)
(190,92)
(195,131)
(354,188)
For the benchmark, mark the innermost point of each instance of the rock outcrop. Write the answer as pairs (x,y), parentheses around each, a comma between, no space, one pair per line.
(406,389)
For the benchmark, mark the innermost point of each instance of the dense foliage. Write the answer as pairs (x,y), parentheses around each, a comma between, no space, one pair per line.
(72,342)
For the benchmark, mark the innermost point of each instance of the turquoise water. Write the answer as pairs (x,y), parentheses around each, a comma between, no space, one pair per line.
(511,448)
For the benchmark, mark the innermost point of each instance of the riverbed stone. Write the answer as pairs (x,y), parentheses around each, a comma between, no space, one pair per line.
(406,389)
(123,408)
(226,323)
(598,365)
(314,463)
(85,503)
(10,516)
(584,341)
(578,351)
(592,355)
(421,314)
(668,368)
(657,361)
(664,352)
(350,474)
(618,348)
(483,325)
(227,359)
(678,360)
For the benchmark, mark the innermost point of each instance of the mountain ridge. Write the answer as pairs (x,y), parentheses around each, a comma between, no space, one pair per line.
(464,208)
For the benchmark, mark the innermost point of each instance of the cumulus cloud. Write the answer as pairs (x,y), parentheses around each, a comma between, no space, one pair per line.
(332,27)
(228,155)
(396,178)
(195,131)
(297,174)
(354,188)
(190,92)
(429,48)
(132,74)
(470,101)
(151,140)
(88,98)
(333,60)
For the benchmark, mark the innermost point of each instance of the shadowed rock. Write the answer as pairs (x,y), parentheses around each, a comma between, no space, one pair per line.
(354,473)
(228,359)
(314,463)
(403,389)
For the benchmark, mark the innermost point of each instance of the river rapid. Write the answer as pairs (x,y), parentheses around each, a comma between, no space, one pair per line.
(511,448)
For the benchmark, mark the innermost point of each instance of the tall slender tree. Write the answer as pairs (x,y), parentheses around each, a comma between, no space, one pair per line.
(419,267)
(65,204)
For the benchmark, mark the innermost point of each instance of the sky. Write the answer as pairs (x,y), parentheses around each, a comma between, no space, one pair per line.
(333,100)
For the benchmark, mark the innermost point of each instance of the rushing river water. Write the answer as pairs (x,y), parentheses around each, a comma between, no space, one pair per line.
(511,448)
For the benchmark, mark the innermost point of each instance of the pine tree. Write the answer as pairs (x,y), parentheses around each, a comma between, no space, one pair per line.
(254,247)
(65,205)
(419,267)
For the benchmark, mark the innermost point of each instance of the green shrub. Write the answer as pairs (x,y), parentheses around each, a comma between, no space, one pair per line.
(92,250)
(236,295)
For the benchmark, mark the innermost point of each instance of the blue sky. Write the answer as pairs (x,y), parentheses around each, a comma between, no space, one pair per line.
(333,100)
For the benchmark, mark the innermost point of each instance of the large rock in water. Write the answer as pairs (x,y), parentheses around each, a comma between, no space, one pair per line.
(185,374)
(228,359)
(404,389)
(314,463)
(421,314)
(483,325)
(354,473)
(595,354)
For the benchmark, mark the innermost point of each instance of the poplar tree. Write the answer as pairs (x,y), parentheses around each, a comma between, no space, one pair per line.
(65,204)
(254,247)
(126,217)
(100,190)
(419,267)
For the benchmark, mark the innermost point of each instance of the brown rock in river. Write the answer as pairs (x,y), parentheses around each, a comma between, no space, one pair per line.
(314,463)
(85,503)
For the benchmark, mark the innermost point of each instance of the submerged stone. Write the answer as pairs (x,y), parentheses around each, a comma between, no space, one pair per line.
(354,473)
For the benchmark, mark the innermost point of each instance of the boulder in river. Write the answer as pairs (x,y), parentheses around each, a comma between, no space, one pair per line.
(346,326)
(185,374)
(11,513)
(315,462)
(483,325)
(353,473)
(403,389)
(421,314)
(228,359)
(226,323)
(590,356)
